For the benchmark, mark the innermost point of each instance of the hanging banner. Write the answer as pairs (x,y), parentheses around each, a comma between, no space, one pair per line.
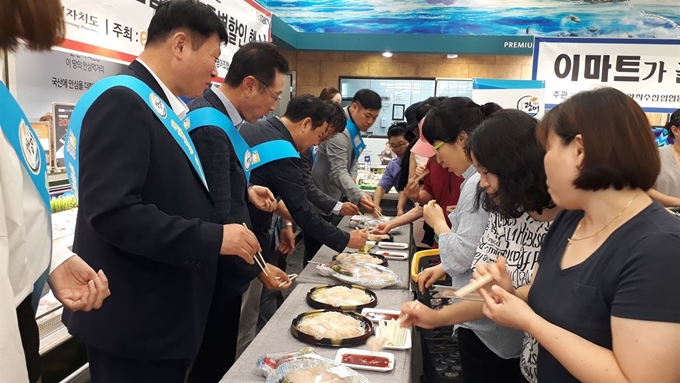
(116,29)
(647,70)
(525,95)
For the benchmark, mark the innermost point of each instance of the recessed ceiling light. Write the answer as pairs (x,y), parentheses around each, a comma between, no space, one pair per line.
(451,56)
(387,54)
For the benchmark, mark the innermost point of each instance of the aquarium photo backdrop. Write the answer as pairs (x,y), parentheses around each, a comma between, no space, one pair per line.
(595,18)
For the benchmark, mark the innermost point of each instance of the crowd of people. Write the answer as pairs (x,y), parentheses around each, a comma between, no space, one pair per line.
(181,238)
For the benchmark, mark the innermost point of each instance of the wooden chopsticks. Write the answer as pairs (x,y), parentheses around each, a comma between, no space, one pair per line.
(260,262)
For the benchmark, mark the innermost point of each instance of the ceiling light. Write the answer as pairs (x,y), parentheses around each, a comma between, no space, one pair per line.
(387,54)
(451,56)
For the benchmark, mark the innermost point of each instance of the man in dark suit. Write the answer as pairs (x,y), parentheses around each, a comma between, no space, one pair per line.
(144,213)
(303,125)
(326,204)
(242,97)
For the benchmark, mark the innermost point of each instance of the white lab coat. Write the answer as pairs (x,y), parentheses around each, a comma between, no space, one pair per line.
(25,244)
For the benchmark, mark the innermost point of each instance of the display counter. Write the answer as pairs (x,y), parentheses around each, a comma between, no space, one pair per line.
(276,336)
(325,254)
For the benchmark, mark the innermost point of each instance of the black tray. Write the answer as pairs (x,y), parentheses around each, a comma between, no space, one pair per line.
(319,305)
(377,256)
(347,342)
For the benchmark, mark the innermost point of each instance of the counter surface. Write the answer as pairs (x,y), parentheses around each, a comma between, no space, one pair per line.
(276,337)
(325,255)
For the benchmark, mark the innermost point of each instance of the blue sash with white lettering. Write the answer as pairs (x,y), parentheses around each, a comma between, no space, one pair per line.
(164,113)
(250,158)
(16,127)
(355,137)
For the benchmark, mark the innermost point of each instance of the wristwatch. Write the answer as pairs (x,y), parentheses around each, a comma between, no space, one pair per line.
(288,224)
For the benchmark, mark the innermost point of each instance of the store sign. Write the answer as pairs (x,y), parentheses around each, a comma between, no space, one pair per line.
(117,29)
(525,95)
(646,70)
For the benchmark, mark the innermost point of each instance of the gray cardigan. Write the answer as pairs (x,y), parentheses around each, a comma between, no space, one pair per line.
(335,169)
(317,197)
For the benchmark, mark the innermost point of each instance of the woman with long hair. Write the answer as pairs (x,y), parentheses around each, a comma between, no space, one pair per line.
(512,188)
(603,305)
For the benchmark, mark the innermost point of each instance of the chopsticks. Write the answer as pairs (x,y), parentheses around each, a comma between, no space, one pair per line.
(472,286)
(260,262)
(290,277)
(420,177)
(365,197)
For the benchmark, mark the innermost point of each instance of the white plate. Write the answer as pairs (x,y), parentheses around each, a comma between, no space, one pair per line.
(393,245)
(378,311)
(355,351)
(391,254)
(408,344)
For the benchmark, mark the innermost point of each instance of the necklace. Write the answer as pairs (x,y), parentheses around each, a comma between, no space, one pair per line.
(572,239)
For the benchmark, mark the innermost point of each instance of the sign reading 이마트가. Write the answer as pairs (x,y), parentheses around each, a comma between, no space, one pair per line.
(646,70)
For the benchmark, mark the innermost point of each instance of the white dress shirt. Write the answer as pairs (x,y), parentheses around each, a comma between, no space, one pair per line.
(178,106)
(25,242)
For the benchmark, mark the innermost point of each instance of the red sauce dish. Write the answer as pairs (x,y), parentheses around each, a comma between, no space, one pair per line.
(365,360)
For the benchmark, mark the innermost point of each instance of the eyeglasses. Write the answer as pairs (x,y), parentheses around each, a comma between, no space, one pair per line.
(437,146)
(276,97)
(397,146)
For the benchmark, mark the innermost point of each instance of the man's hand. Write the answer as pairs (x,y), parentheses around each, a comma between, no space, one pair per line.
(357,239)
(77,286)
(287,240)
(277,279)
(349,209)
(240,241)
(377,212)
(262,198)
(367,203)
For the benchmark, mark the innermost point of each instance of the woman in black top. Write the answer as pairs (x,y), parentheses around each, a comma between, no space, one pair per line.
(603,306)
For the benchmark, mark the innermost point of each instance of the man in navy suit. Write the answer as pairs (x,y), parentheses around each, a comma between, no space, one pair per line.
(145,213)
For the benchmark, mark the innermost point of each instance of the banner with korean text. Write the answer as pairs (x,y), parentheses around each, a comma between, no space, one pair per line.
(116,29)
(648,70)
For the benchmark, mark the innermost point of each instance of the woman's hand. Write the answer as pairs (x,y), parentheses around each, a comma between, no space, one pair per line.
(433,214)
(498,271)
(506,309)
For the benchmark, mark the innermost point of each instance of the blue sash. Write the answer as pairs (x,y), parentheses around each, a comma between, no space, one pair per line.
(249,158)
(164,113)
(314,150)
(355,137)
(16,127)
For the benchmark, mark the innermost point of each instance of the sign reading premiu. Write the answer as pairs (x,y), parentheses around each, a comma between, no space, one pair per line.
(647,70)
